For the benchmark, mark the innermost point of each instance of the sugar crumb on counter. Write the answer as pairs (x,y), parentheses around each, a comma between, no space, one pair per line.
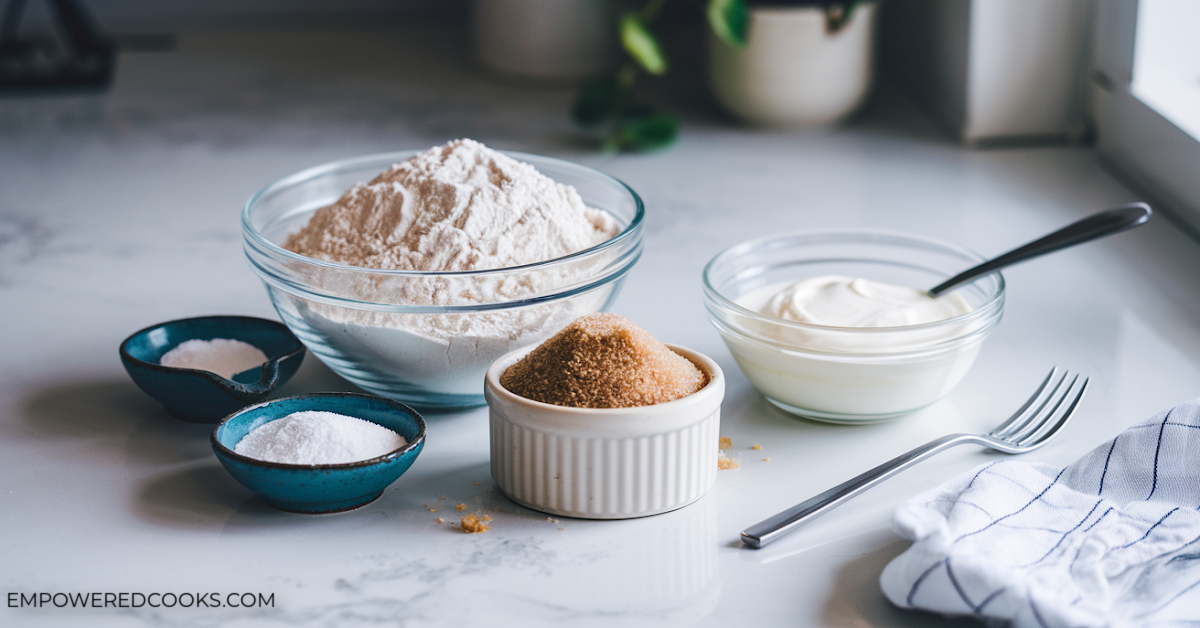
(442,497)
(474,524)
(724,462)
(478,484)
(756,447)
(767,459)
(460,507)
(439,521)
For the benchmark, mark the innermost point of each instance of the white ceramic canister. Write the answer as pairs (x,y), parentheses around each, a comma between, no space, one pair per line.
(793,71)
(544,40)
(605,463)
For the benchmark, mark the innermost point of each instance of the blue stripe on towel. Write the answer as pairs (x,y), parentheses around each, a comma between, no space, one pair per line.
(1157,450)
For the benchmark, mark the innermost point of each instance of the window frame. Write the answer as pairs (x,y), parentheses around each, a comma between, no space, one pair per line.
(1131,136)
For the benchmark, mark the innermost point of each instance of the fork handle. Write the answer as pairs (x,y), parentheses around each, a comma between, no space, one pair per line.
(774,527)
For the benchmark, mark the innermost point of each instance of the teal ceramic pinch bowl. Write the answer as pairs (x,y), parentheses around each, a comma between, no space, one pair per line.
(320,488)
(200,396)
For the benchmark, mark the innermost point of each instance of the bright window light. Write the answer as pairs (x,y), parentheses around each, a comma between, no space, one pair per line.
(1166,61)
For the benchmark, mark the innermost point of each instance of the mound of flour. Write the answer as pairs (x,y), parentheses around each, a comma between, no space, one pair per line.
(457,207)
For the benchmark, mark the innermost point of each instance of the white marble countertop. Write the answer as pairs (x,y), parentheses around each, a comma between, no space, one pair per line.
(120,211)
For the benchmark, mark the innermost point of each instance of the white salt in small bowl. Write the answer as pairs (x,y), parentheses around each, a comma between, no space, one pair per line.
(605,463)
(201,396)
(320,488)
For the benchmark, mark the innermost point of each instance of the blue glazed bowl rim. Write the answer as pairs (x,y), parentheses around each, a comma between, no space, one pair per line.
(126,355)
(414,444)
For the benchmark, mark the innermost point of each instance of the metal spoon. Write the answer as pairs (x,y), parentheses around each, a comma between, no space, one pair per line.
(1097,225)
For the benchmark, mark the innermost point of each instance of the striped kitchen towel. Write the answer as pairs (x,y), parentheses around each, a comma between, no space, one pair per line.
(1111,540)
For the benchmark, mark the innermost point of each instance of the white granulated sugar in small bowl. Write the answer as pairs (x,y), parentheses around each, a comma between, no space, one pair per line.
(224,356)
(316,437)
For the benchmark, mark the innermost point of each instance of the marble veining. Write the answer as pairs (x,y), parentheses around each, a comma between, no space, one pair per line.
(22,241)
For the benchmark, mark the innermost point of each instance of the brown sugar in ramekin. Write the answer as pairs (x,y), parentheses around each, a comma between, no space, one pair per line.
(603,361)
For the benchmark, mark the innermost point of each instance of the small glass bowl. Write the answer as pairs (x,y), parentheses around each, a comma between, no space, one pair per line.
(848,374)
(429,356)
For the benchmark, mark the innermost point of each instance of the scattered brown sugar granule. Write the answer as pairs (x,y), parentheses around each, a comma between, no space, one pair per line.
(725,463)
(474,524)
(767,459)
(603,361)
(460,507)
(756,447)
(726,443)
(439,521)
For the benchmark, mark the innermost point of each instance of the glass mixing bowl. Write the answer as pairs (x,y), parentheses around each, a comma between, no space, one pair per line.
(430,356)
(848,374)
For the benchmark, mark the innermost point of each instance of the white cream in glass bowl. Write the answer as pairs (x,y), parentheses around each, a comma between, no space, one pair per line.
(875,369)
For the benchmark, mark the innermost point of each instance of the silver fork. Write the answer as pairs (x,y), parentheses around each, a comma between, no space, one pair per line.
(1033,425)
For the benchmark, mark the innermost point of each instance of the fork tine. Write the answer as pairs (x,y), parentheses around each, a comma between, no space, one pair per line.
(1045,413)
(1000,430)
(1033,413)
(1049,430)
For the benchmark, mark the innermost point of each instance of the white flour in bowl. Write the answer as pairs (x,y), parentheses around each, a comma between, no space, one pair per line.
(457,207)
(462,206)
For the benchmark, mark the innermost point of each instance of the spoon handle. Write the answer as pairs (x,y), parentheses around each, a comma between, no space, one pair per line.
(1097,225)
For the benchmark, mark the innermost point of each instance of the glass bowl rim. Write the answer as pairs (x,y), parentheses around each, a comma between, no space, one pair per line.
(313,172)
(990,308)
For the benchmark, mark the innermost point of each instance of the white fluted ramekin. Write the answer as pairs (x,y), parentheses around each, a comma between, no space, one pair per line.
(605,463)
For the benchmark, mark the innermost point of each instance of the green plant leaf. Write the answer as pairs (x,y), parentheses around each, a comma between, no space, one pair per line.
(641,44)
(729,20)
(654,132)
(650,132)
(596,101)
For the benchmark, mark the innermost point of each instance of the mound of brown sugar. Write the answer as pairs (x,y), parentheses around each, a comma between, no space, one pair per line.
(603,361)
